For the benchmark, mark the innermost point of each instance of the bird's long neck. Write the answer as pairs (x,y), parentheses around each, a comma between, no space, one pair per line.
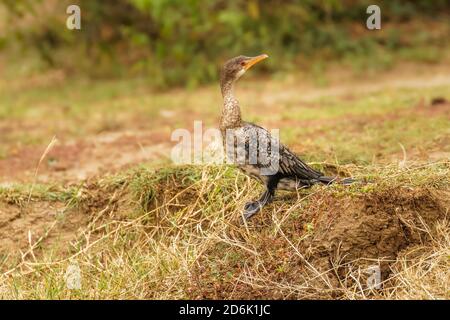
(231,113)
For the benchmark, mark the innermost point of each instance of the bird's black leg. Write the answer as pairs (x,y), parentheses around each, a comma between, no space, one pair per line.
(254,207)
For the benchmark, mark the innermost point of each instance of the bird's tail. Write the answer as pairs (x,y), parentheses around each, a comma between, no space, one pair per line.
(329,180)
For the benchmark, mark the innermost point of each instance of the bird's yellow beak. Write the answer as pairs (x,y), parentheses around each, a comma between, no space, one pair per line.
(255,60)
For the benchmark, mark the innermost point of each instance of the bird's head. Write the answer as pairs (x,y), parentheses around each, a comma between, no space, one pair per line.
(234,68)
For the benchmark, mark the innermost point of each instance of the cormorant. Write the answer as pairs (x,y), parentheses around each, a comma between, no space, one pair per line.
(253,148)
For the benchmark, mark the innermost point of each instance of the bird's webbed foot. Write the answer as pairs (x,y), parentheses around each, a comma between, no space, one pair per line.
(254,207)
(251,208)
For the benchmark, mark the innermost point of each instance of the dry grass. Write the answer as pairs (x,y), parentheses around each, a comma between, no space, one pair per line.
(178,233)
(424,271)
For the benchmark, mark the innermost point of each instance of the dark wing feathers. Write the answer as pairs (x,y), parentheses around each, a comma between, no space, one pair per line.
(289,164)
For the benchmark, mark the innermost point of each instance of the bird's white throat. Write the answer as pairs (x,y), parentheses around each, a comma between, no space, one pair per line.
(240,73)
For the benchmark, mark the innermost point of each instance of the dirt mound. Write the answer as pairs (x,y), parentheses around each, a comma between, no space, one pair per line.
(22,227)
(375,226)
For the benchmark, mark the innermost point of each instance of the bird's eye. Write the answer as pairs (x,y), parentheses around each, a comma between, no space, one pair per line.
(243,63)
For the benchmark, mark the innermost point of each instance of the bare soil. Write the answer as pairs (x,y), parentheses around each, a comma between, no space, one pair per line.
(81,159)
(377,226)
(21,227)
(349,235)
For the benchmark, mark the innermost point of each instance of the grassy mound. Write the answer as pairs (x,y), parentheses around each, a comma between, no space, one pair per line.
(178,233)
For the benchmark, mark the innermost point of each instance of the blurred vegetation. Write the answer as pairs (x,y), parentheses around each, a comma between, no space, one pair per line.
(183,41)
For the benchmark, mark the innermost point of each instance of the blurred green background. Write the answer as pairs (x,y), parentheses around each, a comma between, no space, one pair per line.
(182,42)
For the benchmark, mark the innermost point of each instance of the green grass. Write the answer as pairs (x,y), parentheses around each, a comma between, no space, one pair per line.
(19,193)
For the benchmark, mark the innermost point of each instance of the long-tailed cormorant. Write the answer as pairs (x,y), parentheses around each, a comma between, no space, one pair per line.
(253,148)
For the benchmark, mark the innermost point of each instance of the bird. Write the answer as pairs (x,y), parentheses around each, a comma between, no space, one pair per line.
(255,151)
